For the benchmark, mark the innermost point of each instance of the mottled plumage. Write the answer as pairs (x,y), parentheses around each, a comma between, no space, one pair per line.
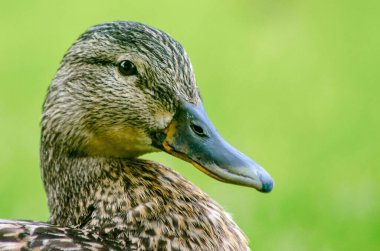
(95,124)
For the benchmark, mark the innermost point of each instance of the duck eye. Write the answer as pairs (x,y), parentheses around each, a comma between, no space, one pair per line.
(127,68)
(197,129)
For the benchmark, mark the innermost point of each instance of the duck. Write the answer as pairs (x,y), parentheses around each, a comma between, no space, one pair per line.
(122,90)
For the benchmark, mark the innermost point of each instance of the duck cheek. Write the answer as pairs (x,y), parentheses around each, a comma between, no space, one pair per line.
(120,142)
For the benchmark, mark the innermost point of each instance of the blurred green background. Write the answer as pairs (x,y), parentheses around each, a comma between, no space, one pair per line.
(293,84)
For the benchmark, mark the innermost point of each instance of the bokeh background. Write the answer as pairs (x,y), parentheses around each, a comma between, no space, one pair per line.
(293,84)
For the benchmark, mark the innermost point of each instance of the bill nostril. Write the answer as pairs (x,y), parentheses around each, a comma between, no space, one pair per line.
(197,129)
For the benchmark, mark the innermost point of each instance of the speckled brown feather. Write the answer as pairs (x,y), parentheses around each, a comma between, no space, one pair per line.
(28,235)
(162,211)
(133,205)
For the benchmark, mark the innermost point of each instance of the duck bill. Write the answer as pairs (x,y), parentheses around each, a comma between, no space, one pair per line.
(192,137)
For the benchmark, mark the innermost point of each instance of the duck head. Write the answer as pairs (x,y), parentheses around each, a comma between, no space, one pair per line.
(124,89)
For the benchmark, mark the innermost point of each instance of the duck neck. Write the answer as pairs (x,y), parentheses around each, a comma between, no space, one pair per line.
(84,189)
(114,195)
(69,182)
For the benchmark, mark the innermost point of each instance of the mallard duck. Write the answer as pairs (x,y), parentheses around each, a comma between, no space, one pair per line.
(124,89)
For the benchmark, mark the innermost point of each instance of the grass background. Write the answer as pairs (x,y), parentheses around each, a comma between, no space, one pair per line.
(293,84)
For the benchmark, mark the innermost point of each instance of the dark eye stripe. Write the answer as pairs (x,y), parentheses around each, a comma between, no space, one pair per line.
(98,61)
